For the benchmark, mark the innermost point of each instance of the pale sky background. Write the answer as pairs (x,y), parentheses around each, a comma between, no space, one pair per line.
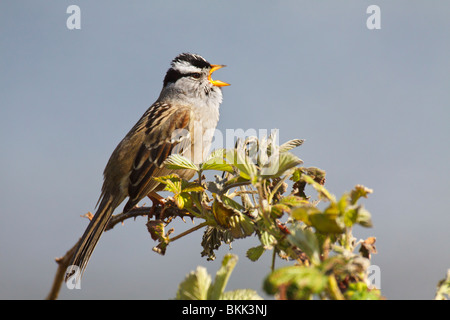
(373,106)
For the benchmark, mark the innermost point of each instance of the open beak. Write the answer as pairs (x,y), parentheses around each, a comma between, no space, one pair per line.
(216,83)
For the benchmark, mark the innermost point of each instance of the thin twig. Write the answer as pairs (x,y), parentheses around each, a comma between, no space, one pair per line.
(243,192)
(201,225)
(234,185)
(272,267)
(63,264)
(275,189)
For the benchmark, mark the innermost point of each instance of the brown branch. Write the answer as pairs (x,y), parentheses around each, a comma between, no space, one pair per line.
(63,264)
(169,211)
(133,213)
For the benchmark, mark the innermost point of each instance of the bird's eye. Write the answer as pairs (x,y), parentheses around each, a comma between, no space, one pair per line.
(196,75)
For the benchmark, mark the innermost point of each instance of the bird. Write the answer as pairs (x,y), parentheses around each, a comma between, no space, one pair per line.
(181,121)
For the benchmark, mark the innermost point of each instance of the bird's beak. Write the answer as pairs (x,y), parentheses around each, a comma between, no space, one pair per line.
(216,83)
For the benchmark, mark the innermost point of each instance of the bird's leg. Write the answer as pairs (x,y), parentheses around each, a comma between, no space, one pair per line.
(157,200)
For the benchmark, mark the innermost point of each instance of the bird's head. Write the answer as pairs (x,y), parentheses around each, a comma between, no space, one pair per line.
(190,76)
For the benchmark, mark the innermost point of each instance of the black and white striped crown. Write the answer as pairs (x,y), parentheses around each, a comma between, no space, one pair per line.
(185,64)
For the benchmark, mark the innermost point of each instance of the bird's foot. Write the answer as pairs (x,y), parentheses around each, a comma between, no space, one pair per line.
(157,200)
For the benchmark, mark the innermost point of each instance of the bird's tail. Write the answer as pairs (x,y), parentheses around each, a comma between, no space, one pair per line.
(90,238)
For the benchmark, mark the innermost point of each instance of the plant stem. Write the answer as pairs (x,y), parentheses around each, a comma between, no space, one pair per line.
(279,184)
(201,225)
(234,185)
(333,288)
(272,267)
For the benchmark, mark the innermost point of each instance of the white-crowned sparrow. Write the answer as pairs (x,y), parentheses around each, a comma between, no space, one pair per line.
(182,121)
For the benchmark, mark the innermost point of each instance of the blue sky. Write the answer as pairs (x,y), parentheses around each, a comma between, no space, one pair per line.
(372,105)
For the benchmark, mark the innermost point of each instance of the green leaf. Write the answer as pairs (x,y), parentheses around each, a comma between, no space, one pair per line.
(230,203)
(227,215)
(255,253)
(358,192)
(279,164)
(306,241)
(223,209)
(299,281)
(323,193)
(278,210)
(294,201)
(296,174)
(267,240)
(240,226)
(221,213)
(217,163)
(329,221)
(241,294)
(316,174)
(195,286)
(303,213)
(172,182)
(191,187)
(223,274)
(182,200)
(360,291)
(350,216)
(241,161)
(291,145)
(353,213)
(364,218)
(176,161)
(217,153)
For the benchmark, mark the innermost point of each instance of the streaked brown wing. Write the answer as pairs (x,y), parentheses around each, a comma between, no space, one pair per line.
(165,129)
